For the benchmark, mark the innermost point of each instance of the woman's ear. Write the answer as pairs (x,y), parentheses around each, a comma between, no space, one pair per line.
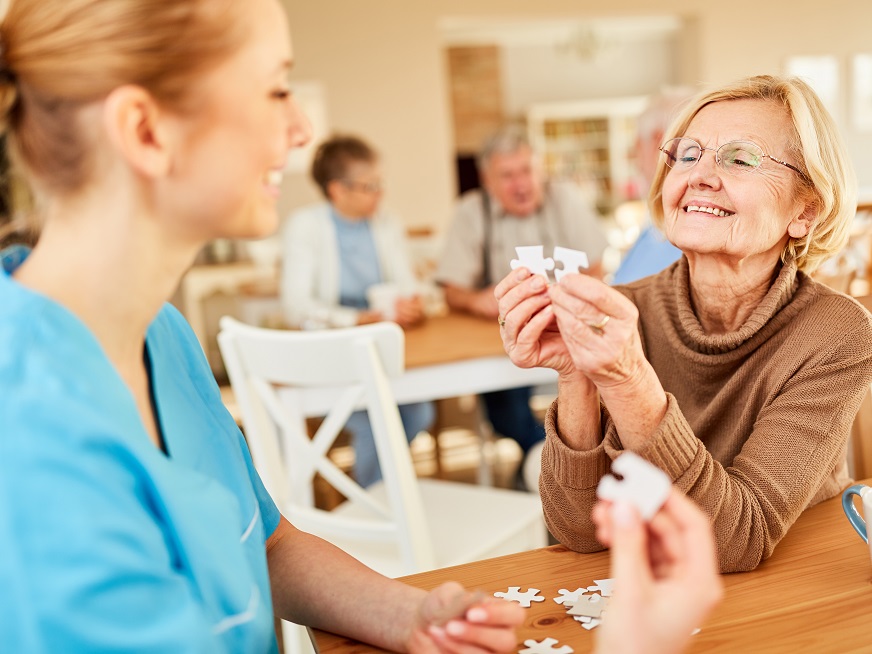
(139,130)
(802,223)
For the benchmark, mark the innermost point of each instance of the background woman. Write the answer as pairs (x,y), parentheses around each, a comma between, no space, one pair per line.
(732,370)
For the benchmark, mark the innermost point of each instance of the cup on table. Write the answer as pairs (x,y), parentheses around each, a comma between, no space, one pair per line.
(383,298)
(857,520)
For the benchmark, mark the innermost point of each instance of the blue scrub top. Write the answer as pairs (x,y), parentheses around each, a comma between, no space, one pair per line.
(650,254)
(107,543)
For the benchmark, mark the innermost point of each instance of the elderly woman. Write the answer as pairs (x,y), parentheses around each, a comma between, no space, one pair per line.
(732,370)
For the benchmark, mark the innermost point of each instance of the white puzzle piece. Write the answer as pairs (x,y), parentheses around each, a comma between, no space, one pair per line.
(603,586)
(514,594)
(591,606)
(544,647)
(568,598)
(643,485)
(593,623)
(572,260)
(532,257)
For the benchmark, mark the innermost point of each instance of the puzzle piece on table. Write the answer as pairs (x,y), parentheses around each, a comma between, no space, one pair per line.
(603,586)
(572,261)
(532,257)
(514,594)
(592,623)
(545,647)
(643,485)
(568,598)
(591,606)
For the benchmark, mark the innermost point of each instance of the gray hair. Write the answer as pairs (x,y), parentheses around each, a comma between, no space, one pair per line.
(663,107)
(506,140)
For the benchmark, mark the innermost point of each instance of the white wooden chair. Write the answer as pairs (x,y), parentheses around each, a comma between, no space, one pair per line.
(399,526)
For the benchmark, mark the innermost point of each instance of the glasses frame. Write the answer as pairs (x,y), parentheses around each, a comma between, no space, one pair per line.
(366,187)
(718,159)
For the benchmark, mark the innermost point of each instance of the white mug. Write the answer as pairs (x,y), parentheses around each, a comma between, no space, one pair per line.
(383,298)
(858,522)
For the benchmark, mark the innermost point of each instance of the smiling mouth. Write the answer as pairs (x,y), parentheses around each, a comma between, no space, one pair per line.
(711,210)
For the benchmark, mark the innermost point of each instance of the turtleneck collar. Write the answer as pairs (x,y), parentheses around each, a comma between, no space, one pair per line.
(779,295)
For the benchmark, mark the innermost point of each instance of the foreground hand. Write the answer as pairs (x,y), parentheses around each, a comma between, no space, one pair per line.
(455,620)
(409,311)
(666,576)
(609,355)
(530,334)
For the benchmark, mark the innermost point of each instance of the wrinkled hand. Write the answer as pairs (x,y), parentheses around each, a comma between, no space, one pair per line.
(530,334)
(454,620)
(666,576)
(409,311)
(609,356)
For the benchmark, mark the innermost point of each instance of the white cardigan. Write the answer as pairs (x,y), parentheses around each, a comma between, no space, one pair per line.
(310,266)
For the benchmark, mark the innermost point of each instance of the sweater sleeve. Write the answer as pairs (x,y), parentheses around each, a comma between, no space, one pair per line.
(797,441)
(567,485)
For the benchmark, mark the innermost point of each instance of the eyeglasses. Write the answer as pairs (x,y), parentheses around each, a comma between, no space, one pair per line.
(366,187)
(735,157)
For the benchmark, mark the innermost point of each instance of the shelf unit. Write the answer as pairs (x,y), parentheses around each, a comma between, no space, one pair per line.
(590,142)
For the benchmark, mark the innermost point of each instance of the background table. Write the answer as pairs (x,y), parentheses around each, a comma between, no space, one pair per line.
(814,594)
(448,356)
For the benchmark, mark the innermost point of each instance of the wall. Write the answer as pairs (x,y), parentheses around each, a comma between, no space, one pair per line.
(383,66)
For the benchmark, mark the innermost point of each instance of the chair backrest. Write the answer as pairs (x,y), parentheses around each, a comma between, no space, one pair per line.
(271,372)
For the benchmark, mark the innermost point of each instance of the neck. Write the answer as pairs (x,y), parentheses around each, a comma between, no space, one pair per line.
(112,266)
(726,293)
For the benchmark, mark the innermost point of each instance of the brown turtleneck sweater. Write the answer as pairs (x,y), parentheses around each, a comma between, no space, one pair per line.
(757,421)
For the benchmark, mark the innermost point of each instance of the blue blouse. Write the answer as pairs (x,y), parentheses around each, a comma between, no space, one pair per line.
(108,543)
(358,260)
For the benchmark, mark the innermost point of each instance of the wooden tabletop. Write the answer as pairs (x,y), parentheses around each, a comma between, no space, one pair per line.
(453,337)
(814,594)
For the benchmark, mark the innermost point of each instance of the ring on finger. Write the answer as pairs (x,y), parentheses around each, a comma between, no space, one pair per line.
(598,328)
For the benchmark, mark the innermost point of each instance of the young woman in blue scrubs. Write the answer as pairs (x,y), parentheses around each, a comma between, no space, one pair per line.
(131,518)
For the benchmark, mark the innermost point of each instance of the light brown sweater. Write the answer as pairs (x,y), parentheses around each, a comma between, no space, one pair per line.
(757,422)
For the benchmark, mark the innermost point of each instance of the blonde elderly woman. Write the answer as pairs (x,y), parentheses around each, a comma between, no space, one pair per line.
(732,370)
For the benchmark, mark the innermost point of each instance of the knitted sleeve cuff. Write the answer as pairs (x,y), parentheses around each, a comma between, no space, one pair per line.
(672,447)
(578,469)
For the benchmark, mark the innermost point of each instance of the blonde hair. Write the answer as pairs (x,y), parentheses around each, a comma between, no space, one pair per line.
(816,148)
(59,55)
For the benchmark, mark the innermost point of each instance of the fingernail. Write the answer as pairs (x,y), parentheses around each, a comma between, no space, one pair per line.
(439,632)
(538,283)
(522,274)
(454,628)
(622,513)
(476,614)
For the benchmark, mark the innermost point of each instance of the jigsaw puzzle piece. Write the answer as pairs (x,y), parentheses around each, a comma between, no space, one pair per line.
(526,598)
(572,260)
(643,485)
(545,647)
(603,586)
(568,598)
(590,606)
(532,257)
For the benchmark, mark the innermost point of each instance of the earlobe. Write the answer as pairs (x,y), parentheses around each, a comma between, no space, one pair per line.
(134,125)
(801,225)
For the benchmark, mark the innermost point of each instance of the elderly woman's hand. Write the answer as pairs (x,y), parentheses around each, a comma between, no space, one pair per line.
(527,326)
(598,326)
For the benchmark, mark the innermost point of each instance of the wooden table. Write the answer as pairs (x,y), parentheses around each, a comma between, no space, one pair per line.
(814,594)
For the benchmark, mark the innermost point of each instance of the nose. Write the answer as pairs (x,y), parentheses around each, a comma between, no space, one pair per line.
(299,126)
(706,173)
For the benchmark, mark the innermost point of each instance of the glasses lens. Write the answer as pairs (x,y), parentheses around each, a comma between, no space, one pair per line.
(681,153)
(740,156)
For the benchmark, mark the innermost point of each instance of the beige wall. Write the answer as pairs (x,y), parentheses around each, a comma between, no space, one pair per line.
(382,64)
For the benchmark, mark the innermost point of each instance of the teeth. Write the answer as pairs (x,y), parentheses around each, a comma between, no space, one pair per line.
(714,212)
(274,178)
